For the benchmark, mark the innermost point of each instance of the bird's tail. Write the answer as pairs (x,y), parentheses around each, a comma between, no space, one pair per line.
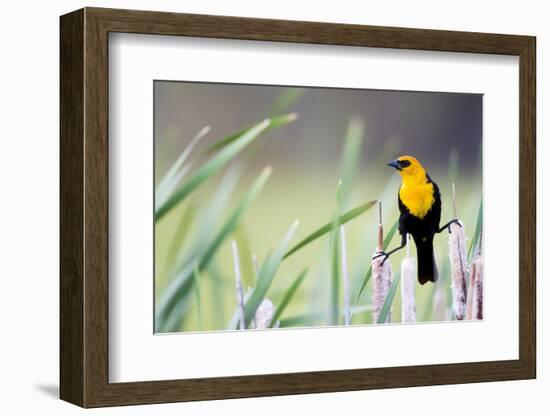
(427,269)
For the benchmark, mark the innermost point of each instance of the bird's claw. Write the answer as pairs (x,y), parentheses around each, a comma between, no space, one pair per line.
(381,254)
(454,221)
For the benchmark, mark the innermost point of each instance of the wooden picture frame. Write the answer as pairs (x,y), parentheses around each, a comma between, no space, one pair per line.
(84,207)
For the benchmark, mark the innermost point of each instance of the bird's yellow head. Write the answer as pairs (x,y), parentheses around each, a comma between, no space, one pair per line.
(407,166)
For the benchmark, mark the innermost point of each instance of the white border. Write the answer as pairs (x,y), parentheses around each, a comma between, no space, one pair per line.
(135,354)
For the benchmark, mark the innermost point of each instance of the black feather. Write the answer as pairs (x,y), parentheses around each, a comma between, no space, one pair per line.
(423,230)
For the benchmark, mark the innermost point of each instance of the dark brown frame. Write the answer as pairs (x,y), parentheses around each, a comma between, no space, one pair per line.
(84,210)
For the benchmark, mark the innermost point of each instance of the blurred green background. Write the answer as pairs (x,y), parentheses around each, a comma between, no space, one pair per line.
(443,130)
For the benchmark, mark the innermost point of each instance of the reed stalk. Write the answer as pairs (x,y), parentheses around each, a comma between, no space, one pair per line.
(408,280)
(459,265)
(381,273)
(345,276)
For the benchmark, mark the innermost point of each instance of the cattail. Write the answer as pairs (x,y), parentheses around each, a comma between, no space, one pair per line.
(439,309)
(459,266)
(238,285)
(345,276)
(264,314)
(474,308)
(408,281)
(470,295)
(477,299)
(381,274)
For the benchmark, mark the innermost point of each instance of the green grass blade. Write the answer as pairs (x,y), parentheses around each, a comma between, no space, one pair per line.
(334,283)
(351,214)
(477,232)
(215,210)
(173,323)
(178,169)
(285,100)
(287,297)
(245,256)
(196,285)
(308,318)
(266,275)
(274,122)
(386,308)
(178,238)
(181,283)
(366,278)
(351,155)
(452,173)
(303,320)
(210,168)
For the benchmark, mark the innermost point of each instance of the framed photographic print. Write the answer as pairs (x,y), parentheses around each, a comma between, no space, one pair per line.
(260,207)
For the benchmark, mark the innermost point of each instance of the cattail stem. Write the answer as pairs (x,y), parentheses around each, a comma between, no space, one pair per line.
(345,277)
(408,279)
(380,245)
(439,308)
(238,285)
(459,265)
(454,201)
(381,274)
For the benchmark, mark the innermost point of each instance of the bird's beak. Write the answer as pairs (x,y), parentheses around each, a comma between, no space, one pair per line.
(394,164)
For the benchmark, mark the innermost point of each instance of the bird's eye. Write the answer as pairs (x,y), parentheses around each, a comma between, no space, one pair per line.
(404,163)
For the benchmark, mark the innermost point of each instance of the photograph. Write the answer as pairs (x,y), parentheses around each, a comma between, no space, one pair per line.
(290,207)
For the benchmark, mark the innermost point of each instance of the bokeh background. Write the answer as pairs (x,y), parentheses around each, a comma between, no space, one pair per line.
(443,130)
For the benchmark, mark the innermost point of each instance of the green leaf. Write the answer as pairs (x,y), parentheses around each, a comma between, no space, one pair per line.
(477,232)
(386,307)
(287,297)
(351,155)
(334,288)
(178,238)
(196,285)
(266,275)
(274,122)
(285,100)
(210,168)
(351,214)
(309,318)
(215,210)
(368,274)
(178,169)
(181,283)
(245,256)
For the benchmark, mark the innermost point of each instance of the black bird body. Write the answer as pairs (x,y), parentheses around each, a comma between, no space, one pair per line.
(422,230)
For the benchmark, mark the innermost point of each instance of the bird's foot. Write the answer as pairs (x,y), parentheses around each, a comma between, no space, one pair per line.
(381,254)
(448,225)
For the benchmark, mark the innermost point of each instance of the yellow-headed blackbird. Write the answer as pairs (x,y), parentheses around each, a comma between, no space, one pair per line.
(420,207)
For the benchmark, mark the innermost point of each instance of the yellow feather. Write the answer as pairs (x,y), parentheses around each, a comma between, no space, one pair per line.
(417,197)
